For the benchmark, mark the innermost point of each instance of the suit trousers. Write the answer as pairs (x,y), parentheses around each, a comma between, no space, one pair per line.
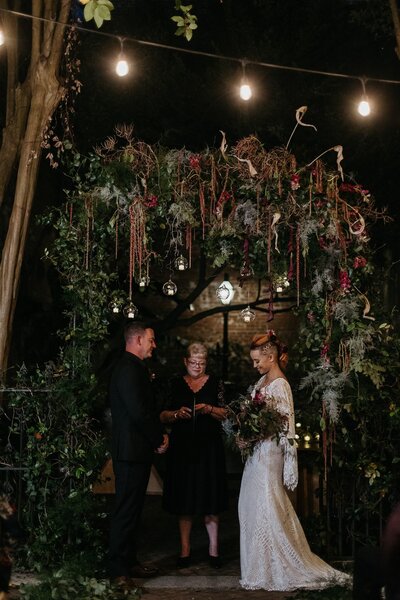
(131,481)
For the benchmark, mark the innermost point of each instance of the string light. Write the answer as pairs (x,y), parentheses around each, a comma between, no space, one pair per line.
(245,89)
(364,108)
(197,52)
(122,67)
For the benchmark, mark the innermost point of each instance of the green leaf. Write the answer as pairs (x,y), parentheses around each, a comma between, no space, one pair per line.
(104,12)
(107,3)
(88,11)
(98,19)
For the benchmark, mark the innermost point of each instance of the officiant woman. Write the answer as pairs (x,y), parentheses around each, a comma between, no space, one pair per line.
(195,481)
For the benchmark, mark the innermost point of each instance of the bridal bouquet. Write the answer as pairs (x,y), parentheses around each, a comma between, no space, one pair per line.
(252,418)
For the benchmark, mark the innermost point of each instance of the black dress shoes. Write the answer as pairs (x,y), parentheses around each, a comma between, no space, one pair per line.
(143,571)
(215,562)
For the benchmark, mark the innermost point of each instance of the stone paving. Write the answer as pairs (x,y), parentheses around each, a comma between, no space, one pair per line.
(159,546)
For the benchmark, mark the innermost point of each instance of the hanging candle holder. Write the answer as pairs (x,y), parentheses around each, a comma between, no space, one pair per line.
(170,288)
(248,314)
(181,263)
(114,307)
(143,282)
(130,310)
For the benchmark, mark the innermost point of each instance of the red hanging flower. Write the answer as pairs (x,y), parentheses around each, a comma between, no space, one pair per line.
(359,262)
(194,162)
(151,201)
(295,181)
(345,282)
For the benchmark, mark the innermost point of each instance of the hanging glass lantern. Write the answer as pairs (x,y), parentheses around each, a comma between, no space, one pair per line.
(114,307)
(130,310)
(181,263)
(143,282)
(170,288)
(248,315)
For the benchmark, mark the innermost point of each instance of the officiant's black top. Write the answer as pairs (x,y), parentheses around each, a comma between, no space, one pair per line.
(195,481)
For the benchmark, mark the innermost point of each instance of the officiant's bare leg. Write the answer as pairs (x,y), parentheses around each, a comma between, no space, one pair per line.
(211,522)
(185,528)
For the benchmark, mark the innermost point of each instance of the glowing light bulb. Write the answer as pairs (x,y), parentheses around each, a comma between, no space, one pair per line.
(1,38)
(364,108)
(122,67)
(245,91)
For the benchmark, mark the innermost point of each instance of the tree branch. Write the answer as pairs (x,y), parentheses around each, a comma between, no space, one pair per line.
(227,309)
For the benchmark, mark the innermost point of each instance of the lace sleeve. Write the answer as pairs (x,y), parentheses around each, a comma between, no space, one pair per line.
(280,390)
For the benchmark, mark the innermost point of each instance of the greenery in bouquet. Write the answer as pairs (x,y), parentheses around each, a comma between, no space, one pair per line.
(252,418)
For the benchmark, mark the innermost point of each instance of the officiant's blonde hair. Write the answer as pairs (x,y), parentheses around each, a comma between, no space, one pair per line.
(196,348)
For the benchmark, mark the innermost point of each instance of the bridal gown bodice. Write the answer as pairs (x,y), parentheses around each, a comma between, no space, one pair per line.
(274,552)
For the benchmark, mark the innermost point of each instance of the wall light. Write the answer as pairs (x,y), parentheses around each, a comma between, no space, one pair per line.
(225,291)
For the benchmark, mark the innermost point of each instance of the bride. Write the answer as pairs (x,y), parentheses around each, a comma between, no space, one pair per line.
(274,552)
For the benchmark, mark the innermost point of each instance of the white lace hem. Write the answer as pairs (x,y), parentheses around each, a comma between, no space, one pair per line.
(340,579)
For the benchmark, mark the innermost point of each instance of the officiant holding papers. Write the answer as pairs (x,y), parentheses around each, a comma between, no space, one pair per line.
(195,481)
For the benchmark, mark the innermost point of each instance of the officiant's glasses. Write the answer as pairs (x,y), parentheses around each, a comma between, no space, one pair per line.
(196,363)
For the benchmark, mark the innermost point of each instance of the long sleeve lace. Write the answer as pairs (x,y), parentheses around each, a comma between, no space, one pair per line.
(281,392)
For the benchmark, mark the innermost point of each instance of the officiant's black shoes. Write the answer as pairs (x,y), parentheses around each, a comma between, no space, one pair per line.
(183,562)
(215,562)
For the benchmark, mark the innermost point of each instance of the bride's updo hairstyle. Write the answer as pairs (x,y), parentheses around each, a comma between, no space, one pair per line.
(268,342)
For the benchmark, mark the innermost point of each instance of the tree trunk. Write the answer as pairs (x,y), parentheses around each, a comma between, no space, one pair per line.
(46,93)
(396,24)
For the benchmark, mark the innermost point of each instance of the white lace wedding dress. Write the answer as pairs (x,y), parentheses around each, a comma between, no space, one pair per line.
(274,552)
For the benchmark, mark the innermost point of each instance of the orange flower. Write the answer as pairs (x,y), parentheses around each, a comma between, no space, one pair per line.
(38,436)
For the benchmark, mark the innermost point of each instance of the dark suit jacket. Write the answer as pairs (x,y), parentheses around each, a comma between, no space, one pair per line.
(136,427)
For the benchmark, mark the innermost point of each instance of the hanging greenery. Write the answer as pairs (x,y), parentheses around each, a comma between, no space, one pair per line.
(135,209)
(132,210)
(253,209)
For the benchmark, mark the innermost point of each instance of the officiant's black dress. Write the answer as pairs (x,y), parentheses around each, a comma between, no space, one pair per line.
(195,481)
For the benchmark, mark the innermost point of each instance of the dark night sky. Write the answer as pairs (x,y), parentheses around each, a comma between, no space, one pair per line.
(184,100)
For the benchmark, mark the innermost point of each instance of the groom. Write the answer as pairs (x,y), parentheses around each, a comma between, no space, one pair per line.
(136,434)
